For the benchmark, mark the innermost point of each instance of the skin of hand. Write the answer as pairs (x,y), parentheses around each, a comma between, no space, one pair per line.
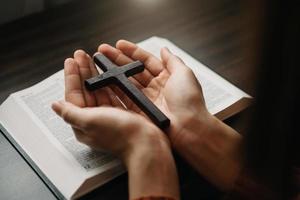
(209,145)
(205,142)
(100,121)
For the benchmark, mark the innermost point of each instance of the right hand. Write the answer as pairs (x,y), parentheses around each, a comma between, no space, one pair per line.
(209,145)
(170,84)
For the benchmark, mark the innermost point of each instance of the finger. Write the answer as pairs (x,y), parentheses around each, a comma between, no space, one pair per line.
(131,50)
(93,69)
(113,54)
(85,73)
(101,95)
(141,80)
(129,104)
(104,96)
(80,135)
(83,119)
(171,61)
(73,115)
(61,110)
(73,87)
(114,98)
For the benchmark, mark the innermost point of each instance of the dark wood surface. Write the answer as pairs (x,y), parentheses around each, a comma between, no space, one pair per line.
(35,47)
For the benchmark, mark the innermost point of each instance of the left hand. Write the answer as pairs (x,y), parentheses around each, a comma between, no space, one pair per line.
(109,128)
(100,121)
(98,118)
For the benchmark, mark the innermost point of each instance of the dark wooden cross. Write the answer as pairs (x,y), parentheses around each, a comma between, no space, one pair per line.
(114,74)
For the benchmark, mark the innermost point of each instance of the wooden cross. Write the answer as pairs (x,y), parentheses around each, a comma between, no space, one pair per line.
(114,74)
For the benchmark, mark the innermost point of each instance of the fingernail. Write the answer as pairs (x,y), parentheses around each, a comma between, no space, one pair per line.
(55,106)
(68,60)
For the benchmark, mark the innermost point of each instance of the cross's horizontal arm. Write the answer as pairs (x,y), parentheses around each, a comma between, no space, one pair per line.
(99,81)
(132,68)
(113,74)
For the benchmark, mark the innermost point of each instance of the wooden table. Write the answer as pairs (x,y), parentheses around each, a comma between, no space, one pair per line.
(35,47)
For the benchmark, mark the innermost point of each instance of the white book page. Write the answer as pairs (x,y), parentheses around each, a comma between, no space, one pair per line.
(62,172)
(218,93)
(48,140)
(38,100)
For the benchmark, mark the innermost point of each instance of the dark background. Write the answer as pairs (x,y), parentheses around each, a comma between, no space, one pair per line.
(16,9)
(32,48)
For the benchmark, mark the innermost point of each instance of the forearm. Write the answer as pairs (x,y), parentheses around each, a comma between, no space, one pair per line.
(152,171)
(215,152)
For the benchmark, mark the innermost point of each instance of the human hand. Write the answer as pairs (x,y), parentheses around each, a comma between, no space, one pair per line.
(98,118)
(169,83)
(100,121)
(208,144)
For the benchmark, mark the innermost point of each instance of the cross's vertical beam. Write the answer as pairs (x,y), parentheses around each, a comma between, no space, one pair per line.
(118,75)
(142,102)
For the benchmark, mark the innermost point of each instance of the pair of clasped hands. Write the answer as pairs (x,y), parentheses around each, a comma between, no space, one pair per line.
(101,121)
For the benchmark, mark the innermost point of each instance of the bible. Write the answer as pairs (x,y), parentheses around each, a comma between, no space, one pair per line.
(69,168)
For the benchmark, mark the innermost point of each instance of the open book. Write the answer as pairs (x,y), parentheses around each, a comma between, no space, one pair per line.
(68,167)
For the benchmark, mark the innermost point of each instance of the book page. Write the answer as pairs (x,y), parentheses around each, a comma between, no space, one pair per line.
(218,93)
(38,100)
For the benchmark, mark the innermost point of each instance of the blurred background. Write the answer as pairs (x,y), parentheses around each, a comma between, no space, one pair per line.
(15,9)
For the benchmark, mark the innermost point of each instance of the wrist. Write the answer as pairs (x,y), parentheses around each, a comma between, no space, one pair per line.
(192,126)
(150,164)
(145,140)
(213,149)
(226,145)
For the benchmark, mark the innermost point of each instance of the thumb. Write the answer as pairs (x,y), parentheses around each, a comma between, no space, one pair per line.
(171,61)
(73,115)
